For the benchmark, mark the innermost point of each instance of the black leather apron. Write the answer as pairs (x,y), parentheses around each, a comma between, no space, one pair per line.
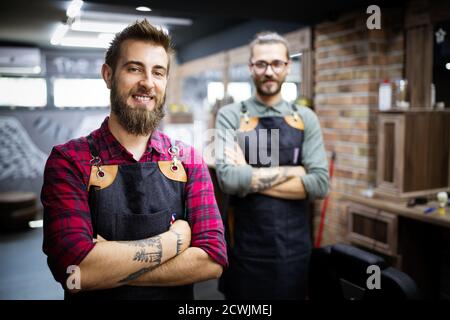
(133,202)
(268,238)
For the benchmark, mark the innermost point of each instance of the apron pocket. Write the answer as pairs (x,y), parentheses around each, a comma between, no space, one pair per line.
(141,226)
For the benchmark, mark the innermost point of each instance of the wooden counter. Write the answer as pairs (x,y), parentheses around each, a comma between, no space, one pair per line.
(400,208)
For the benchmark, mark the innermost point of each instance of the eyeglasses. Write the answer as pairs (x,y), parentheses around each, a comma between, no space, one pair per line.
(277,66)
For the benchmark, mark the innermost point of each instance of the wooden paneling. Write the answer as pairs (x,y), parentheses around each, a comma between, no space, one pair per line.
(419,53)
(416,133)
(299,40)
(389,152)
(307,74)
(440,11)
(419,62)
(438,141)
(215,61)
(413,157)
(239,55)
(392,142)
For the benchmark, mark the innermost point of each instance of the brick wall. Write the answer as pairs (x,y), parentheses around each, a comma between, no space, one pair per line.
(350,62)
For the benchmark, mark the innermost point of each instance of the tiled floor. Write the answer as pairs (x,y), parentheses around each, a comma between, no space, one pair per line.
(24,273)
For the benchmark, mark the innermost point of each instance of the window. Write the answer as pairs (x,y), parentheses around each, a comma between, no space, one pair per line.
(215,92)
(289,91)
(240,91)
(23,92)
(80,93)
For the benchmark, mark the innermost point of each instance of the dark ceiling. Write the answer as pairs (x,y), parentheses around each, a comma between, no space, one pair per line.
(32,22)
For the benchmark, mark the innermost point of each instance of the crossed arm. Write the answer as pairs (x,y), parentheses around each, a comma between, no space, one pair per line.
(162,260)
(280,182)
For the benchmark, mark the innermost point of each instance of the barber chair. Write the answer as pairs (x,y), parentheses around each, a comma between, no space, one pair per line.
(340,272)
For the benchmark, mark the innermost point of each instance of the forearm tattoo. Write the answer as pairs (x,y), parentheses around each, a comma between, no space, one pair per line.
(179,241)
(264,178)
(153,241)
(136,274)
(150,252)
(148,257)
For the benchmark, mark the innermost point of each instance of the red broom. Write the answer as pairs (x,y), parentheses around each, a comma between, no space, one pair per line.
(325,204)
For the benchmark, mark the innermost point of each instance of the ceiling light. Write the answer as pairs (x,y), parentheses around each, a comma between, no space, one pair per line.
(96,26)
(20,70)
(85,42)
(74,8)
(59,33)
(447,66)
(143,9)
(106,37)
(131,18)
(36,224)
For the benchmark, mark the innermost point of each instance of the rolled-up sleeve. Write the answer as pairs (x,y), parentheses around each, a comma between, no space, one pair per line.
(233,180)
(67,224)
(207,231)
(314,159)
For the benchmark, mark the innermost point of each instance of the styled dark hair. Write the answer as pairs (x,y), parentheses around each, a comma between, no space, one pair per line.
(268,37)
(140,30)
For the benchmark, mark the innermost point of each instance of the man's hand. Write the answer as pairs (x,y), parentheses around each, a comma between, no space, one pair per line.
(182,232)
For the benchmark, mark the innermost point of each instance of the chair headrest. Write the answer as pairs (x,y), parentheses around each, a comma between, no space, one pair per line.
(346,254)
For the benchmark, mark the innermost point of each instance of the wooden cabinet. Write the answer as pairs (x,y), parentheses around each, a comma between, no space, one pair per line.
(413,153)
(372,228)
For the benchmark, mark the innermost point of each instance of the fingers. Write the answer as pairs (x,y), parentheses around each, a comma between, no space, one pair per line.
(230,156)
(181,226)
(99,239)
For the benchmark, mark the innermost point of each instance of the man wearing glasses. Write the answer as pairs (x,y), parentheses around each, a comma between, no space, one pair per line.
(271,160)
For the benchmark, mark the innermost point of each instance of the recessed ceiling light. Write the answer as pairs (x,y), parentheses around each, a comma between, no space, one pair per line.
(36,224)
(144,9)
(447,66)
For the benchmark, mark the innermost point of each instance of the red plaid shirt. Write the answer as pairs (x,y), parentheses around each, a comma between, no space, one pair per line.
(67,222)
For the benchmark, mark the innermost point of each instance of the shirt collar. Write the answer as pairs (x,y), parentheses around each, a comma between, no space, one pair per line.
(262,107)
(114,147)
(157,142)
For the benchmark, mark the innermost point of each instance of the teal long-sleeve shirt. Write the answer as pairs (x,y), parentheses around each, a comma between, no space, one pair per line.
(236,180)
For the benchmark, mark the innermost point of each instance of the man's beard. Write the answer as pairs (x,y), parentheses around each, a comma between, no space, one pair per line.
(136,121)
(265,93)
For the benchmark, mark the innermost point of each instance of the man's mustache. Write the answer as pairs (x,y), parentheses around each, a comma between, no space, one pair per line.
(268,79)
(144,92)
